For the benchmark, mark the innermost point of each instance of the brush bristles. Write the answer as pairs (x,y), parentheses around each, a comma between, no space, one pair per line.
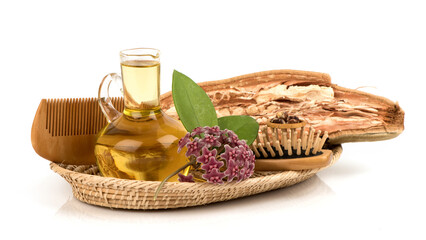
(76,116)
(271,142)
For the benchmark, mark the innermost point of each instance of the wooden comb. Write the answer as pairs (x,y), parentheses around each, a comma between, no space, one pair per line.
(64,130)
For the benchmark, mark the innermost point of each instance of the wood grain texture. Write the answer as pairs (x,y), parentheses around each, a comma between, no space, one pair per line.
(348,115)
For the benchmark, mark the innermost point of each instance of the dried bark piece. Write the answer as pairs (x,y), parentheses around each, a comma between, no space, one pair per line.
(347,115)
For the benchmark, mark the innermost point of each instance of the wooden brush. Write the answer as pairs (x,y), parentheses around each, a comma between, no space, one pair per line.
(290,147)
(64,130)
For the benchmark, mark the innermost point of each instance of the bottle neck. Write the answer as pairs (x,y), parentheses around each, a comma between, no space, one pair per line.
(141,85)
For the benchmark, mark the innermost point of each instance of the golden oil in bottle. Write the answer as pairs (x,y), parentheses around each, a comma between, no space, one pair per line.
(142,84)
(144,149)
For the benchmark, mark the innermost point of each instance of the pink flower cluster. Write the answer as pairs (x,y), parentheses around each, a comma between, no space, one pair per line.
(220,154)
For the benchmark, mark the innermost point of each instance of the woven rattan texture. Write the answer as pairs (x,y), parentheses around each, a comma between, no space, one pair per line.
(88,186)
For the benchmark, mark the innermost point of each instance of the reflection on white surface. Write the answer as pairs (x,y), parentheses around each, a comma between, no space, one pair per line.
(302,194)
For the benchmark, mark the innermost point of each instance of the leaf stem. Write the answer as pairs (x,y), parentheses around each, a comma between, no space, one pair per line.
(192,162)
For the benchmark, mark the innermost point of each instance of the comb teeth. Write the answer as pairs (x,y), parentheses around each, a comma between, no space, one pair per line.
(288,143)
(76,116)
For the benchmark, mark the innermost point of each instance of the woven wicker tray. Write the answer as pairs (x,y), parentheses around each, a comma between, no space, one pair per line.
(88,186)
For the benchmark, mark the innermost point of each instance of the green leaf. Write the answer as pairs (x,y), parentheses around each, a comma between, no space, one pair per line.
(244,126)
(194,107)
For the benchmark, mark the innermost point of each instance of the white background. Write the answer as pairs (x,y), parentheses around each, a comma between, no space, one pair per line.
(58,49)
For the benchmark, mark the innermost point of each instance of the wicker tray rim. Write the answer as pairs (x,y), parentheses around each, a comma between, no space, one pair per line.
(134,194)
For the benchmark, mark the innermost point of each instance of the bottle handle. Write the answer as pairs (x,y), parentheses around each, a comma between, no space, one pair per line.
(103,97)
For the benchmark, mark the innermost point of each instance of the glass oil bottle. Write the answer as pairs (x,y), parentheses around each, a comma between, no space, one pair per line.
(141,143)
